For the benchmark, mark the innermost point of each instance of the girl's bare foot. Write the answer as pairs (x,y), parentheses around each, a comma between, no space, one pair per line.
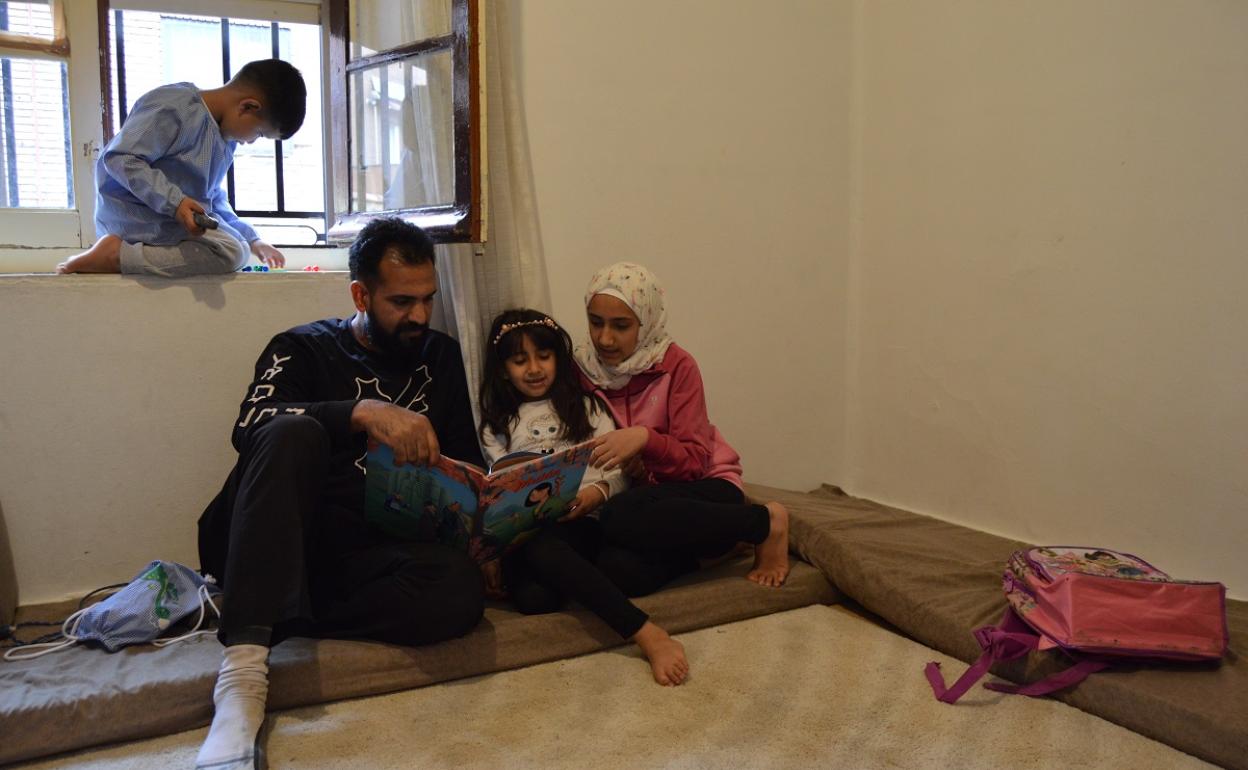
(771,557)
(666,655)
(103,257)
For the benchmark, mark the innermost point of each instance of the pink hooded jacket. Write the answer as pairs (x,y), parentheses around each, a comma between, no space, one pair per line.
(668,399)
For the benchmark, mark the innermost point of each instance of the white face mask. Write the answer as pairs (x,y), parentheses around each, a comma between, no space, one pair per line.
(160,595)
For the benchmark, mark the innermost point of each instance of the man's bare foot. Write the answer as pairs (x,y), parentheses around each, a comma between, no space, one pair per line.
(666,655)
(771,557)
(103,257)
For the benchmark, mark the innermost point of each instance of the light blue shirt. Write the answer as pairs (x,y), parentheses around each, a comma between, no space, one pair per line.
(170,147)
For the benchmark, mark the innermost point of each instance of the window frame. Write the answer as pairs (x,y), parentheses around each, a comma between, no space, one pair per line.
(40,228)
(462,221)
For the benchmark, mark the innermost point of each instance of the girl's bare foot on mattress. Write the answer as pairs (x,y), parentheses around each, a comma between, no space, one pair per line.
(103,257)
(666,655)
(771,557)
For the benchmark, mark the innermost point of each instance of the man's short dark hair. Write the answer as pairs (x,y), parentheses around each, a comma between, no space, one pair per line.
(285,96)
(408,241)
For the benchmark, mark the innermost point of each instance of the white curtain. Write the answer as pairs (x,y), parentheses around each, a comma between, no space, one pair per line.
(477,281)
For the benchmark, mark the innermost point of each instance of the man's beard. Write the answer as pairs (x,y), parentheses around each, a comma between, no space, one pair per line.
(396,344)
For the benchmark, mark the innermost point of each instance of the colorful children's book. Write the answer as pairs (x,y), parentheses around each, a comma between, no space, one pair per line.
(463,506)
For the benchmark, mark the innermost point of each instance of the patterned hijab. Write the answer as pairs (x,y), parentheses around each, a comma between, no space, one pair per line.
(636,287)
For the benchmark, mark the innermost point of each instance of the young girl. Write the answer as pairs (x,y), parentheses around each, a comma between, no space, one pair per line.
(693,505)
(531,401)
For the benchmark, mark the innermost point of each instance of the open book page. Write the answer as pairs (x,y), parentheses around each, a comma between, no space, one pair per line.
(521,498)
(435,503)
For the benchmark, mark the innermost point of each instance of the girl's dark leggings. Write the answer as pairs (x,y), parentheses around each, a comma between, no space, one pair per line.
(644,538)
(654,534)
(558,564)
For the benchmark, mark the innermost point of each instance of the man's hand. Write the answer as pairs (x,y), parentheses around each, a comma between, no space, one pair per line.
(267,254)
(185,214)
(492,572)
(588,499)
(410,435)
(619,447)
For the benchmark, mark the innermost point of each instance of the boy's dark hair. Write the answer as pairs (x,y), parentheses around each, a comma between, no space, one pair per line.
(500,403)
(285,95)
(410,243)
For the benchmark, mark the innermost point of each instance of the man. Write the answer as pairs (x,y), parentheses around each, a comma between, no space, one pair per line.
(287,536)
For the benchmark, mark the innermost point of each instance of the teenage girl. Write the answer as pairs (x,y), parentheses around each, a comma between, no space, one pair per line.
(690,504)
(531,401)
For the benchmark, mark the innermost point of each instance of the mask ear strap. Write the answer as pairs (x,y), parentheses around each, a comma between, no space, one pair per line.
(68,631)
(205,601)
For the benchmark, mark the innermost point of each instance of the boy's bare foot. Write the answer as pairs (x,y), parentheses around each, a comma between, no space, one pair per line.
(103,257)
(666,655)
(771,557)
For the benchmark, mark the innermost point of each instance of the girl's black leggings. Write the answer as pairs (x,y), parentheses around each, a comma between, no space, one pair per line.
(654,534)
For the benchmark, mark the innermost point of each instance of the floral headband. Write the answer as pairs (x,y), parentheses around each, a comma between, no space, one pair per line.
(508,328)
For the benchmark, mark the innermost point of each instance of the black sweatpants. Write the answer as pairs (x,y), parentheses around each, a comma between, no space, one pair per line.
(558,564)
(654,534)
(298,564)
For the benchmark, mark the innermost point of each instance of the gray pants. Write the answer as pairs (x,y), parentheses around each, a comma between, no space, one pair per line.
(215,252)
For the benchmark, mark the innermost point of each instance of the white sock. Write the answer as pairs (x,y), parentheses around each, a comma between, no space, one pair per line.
(242,688)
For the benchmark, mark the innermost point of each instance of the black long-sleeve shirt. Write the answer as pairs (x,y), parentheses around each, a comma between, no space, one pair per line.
(321,370)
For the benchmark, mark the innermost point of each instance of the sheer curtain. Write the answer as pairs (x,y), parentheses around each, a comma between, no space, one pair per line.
(477,281)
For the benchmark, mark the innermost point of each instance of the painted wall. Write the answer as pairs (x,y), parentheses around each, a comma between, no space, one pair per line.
(1009,237)
(1049,337)
(709,141)
(116,398)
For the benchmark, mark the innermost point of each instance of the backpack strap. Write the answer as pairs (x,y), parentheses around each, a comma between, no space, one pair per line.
(1062,679)
(1011,638)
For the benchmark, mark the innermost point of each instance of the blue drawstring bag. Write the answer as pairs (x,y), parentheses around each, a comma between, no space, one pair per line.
(160,595)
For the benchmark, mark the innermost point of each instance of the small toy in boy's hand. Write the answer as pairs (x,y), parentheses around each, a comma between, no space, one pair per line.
(204,221)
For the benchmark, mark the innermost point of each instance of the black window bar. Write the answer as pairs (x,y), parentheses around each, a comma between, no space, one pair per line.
(279,170)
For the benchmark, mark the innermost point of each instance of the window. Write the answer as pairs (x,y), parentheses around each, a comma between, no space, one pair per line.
(34,108)
(407,115)
(277,186)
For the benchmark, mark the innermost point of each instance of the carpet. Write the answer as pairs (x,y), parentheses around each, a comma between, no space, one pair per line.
(813,687)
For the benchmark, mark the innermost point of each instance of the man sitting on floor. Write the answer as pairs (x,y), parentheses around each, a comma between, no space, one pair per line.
(287,536)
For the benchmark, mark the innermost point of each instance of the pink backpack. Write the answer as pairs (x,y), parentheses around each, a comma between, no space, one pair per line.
(1097,605)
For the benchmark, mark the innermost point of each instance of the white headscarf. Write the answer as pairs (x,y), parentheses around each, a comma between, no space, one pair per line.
(636,287)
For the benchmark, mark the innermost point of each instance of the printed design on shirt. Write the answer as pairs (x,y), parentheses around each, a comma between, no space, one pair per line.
(541,433)
(416,386)
(264,390)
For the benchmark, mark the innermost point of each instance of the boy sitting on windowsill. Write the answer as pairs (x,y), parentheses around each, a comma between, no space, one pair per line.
(173,151)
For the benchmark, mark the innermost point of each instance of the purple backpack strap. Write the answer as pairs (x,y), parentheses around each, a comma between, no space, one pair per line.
(1011,638)
(1071,676)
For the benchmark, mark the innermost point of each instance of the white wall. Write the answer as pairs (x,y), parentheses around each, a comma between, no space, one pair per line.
(116,402)
(1031,312)
(1048,323)
(708,141)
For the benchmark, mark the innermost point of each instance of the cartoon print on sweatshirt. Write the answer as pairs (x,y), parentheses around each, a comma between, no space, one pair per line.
(543,431)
